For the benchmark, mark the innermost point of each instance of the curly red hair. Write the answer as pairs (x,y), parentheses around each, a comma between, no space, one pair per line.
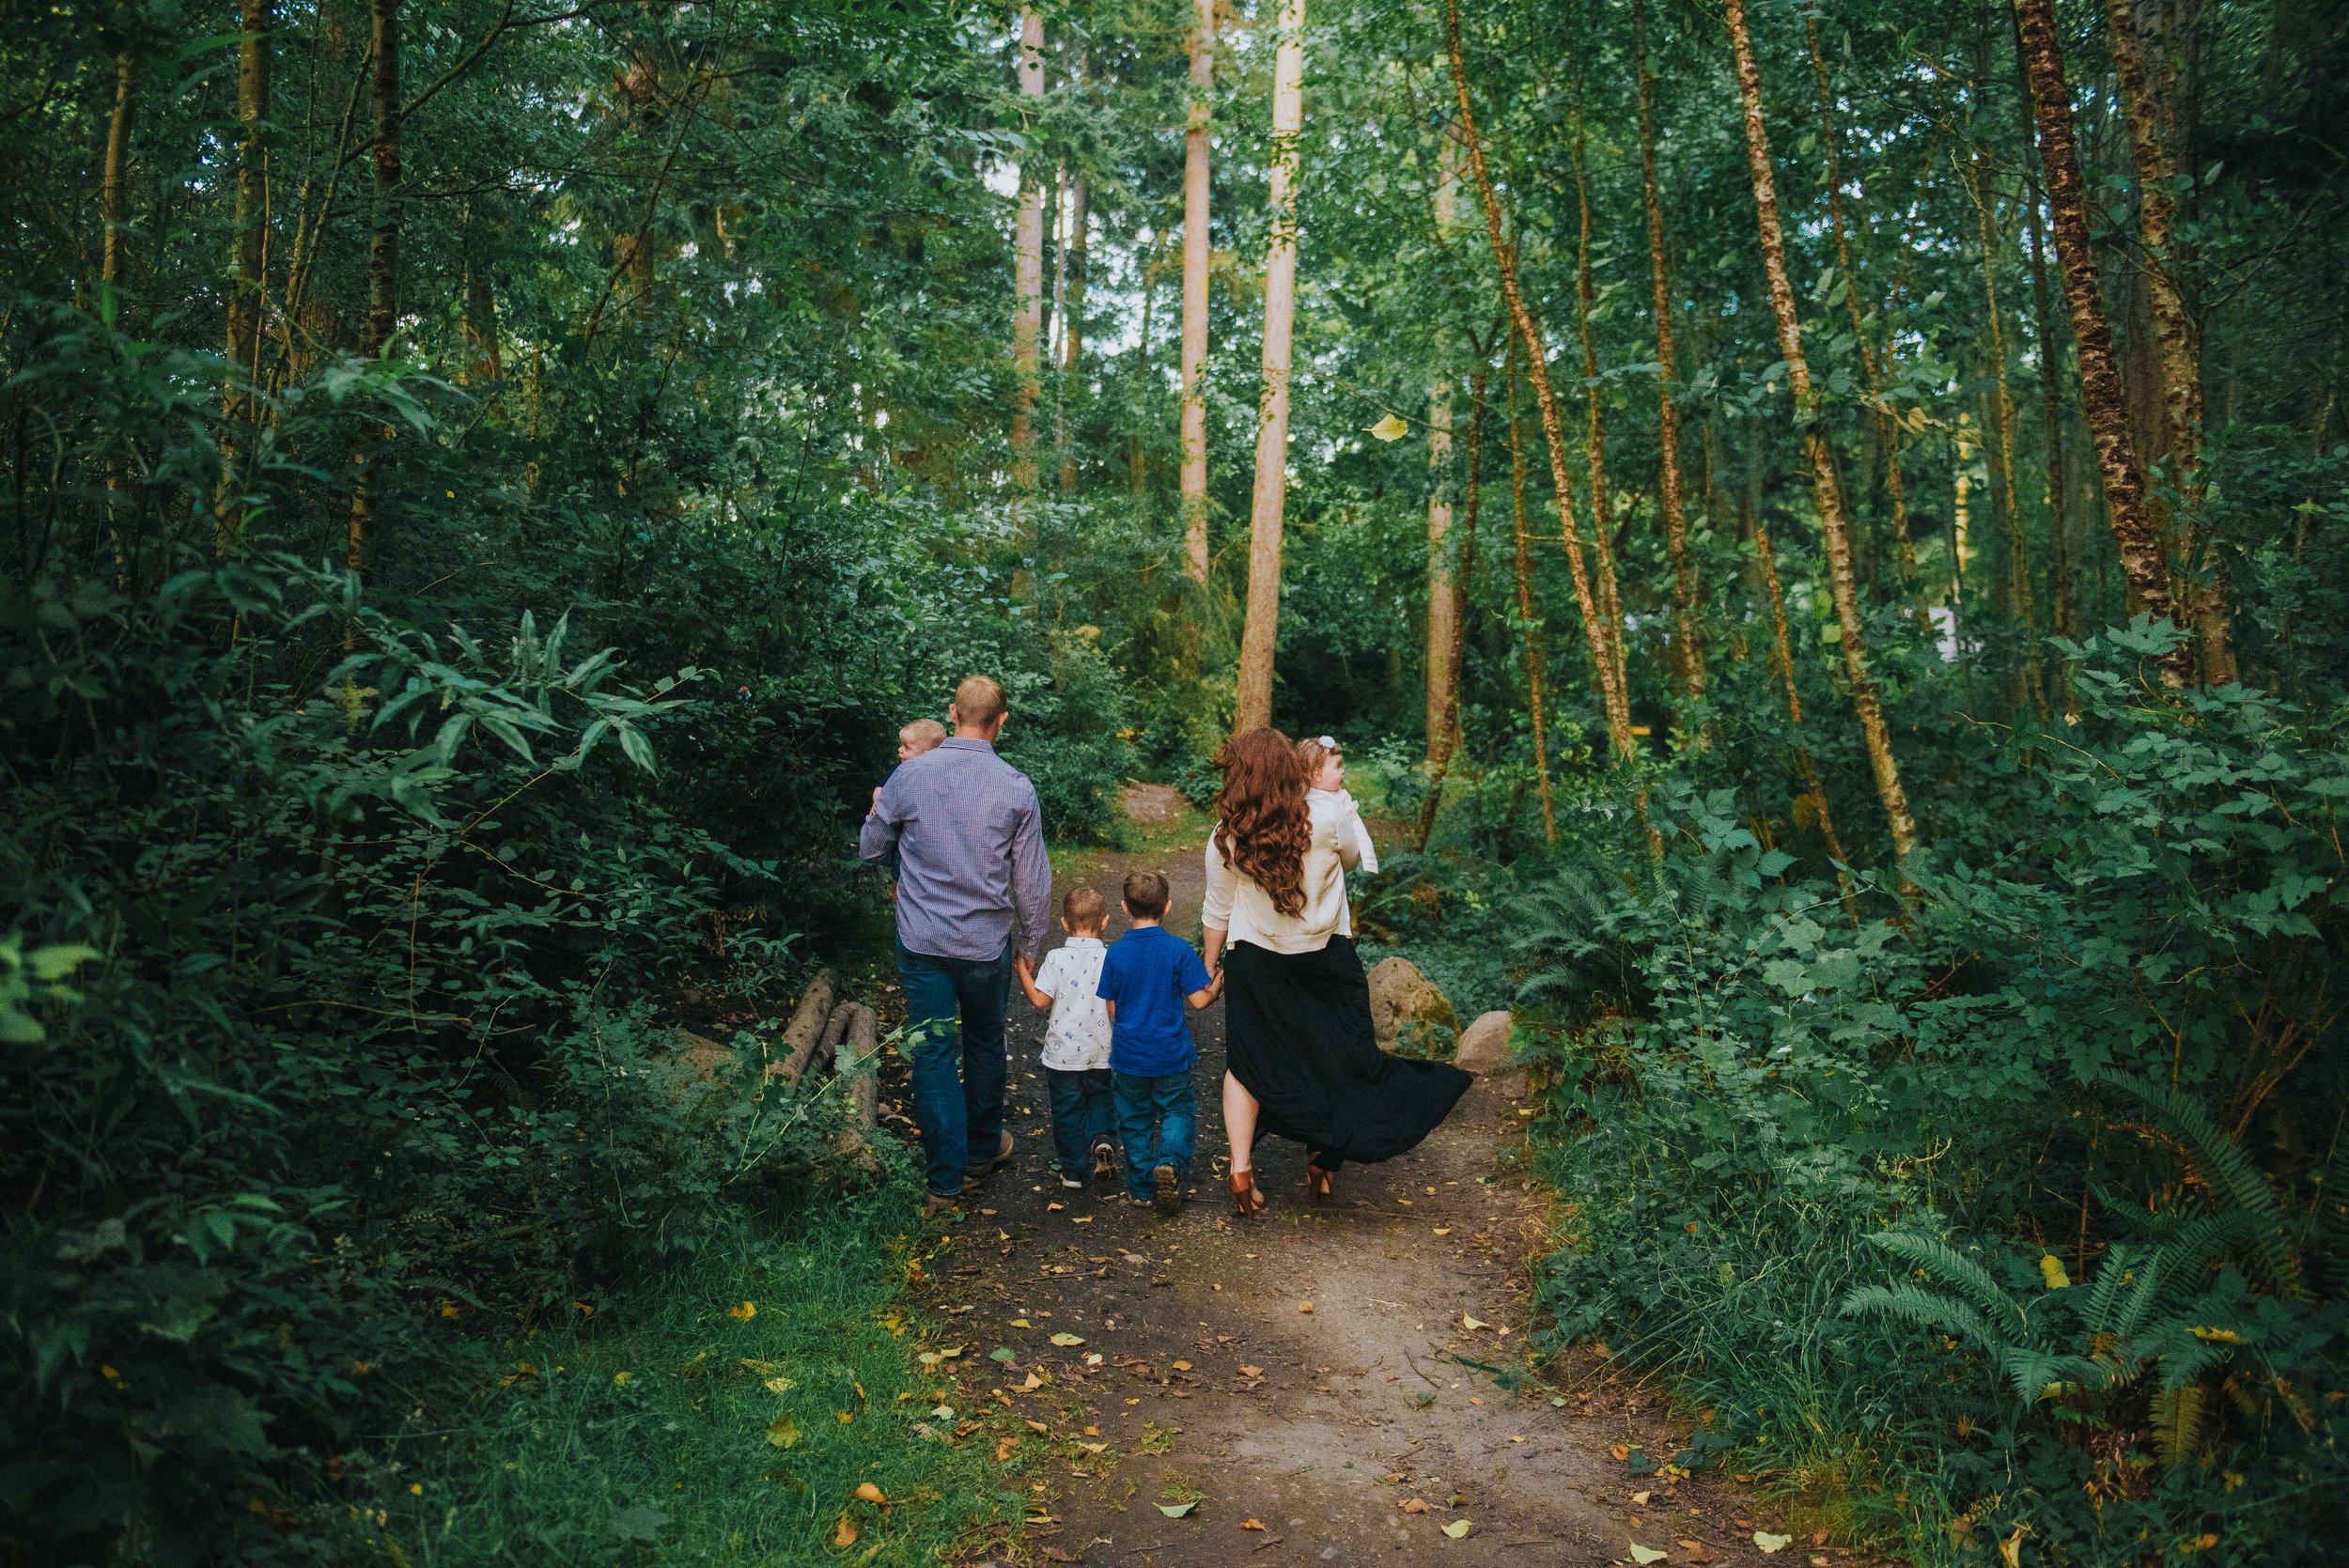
(1264,829)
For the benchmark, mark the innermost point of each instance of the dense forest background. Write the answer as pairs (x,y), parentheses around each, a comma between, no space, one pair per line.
(1826,524)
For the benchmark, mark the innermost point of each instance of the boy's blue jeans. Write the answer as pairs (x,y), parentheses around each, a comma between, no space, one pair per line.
(1159,1112)
(958,1074)
(1084,1110)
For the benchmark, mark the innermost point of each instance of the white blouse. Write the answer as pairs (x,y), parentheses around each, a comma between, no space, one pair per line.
(1244,910)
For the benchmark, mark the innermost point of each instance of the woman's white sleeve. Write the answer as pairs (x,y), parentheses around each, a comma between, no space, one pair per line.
(1221,884)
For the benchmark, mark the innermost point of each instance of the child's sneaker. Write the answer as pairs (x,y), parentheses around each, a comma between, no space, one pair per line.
(1073,1184)
(1105,1170)
(1169,1201)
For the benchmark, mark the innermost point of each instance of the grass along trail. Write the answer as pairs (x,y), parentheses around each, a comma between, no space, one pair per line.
(1339,1384)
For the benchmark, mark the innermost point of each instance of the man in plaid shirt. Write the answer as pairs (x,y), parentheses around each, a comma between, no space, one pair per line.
(974,887)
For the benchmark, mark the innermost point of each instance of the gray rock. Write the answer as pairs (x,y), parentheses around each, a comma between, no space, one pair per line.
(1484,1044)
(1400,995)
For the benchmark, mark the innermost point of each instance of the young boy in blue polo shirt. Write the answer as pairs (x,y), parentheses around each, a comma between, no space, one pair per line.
(1146,976)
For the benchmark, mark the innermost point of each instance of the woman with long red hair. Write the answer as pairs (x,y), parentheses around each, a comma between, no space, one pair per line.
(1301,1058)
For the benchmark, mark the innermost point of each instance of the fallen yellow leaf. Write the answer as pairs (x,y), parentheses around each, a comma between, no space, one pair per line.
(2051,1270)
(1252,1372)
(1304,1305)
(1645,1554)
(1458,1529)
(1639,1499)
(1472,1324)
(1413,1505)
(1064,1338)
(747,1310)
(1022,1323)
(784,1433)
(1251,1524)
(844,1534)
(1182,1366)
(870,1493)
(1766,1542)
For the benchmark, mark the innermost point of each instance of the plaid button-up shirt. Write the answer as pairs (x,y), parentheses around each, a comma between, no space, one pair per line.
(972,870)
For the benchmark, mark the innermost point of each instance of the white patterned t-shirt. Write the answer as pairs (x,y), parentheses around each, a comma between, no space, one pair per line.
(1078,1038)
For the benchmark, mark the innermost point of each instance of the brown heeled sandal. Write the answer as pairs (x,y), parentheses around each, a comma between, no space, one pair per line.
(1317,1183)
(1246,1201)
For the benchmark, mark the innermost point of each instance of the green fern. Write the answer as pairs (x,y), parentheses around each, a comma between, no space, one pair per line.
(2227,1170)
(1945,1266)
(2177,1418)
(1924,1309)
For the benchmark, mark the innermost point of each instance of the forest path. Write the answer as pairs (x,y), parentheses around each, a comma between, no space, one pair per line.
(1202,1377)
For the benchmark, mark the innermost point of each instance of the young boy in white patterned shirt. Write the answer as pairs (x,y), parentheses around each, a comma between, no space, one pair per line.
(1077,1041)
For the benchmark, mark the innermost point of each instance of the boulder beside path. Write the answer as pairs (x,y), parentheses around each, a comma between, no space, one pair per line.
(1399,994)
(1483,1044)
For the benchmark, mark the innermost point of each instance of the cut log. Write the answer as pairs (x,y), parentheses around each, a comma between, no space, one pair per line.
(828,1044)
(806,1030)
(857,1063)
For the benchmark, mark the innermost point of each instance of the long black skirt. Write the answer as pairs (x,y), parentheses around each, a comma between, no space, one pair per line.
(1298,1035)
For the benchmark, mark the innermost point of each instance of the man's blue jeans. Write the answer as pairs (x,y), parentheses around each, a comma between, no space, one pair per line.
(1084,1110)
(1161,1110)
(957,1072)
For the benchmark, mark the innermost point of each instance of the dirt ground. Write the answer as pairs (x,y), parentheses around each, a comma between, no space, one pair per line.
(1323,1384)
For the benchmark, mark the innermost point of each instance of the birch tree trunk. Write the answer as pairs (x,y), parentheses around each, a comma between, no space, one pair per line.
(1073,323)
(1594,438)
(1687,639)
(114,187)
(2145,97)
(1261,631)
(1806,767)
(1529,616)
(1194,368)
(243,323)
(2051,418)
(1871,368)
(2002,430)
(364,540)
(1451,720)
(1443,601)
(1825,490)
(1603,660)
(2135,537)
(1027,270)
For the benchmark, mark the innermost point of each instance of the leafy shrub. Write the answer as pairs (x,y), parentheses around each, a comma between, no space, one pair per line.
(1782,1115)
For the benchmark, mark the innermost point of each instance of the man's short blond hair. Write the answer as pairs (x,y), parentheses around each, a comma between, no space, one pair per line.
(923,734)
(979,702)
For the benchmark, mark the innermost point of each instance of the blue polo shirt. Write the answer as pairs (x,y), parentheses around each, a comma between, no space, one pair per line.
(1147,972)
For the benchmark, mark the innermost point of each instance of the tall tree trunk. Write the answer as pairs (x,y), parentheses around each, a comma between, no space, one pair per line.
(1825,490)
(1687,639)
(243,323)
(1871,369)
(2051,418)
(1806,768)
(1443,603)
(113,189)
(2018,583)
(2134,533)
(1594,628)
(2149,107)
(1027,270)
(364,539)
(1450,721)
(1594,437)
(244,301)
(1073,322)
(1253,705)
(1194,412)
(1529,610)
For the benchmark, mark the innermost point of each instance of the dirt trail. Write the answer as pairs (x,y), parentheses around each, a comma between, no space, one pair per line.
(1327,1427)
